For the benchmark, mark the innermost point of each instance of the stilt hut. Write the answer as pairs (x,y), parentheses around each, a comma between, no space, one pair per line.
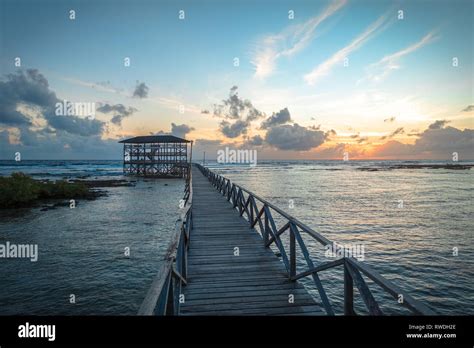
(164,156)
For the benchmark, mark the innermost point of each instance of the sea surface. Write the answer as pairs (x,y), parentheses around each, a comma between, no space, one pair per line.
(82,250)
(410,222)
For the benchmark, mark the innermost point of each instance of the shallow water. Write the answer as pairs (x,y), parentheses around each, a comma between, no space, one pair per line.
(81,250)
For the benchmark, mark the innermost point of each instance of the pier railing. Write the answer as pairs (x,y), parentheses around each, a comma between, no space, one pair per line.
(163,297)
(260,215)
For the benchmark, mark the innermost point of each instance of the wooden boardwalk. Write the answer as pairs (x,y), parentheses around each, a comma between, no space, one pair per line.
(218,264)
(220,282)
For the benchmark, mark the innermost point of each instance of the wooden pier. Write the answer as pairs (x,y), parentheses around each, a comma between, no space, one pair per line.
(227,257)
(229,270)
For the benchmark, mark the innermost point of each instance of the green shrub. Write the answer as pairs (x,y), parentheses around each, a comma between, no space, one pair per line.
(63,189)
(17,190)
(21,190)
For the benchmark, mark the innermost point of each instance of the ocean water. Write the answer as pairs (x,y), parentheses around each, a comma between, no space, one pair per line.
(81,251)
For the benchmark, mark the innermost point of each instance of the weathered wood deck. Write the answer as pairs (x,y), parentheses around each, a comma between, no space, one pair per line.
(220,283)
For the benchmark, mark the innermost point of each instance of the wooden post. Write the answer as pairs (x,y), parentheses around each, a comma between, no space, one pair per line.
(190,159)
(251,210)
(124,158)
(238,200)
(267,226)
(348,292)
(234,200)
(184,266)
(170,300)
(292,253)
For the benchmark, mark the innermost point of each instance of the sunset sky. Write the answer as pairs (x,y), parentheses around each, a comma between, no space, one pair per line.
(341,76)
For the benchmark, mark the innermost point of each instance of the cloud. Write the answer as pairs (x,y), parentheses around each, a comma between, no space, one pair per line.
(438,124)
(437,141)
(120,111)
(141,90)
(396,132)
(281,117)
(240,111)
(468,108)
(446,139)
(208,142)
(180,130)
(76,125)
(378,71)
(235,108)
(358,139)
(330,152)
(414,133)
(7,150)
(294,137)
(210,147)
(205,112)
(9,116)
(329,133)
(289,41)
(394,149)
(233,130)
(117,108)
(256,140)
(52,136)
(117,119)
(390,119)
(32,89)
(42,144)
(325,68)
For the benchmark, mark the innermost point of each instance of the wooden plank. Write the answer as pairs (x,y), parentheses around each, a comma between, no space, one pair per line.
(209,283)
(300,310)
(229,252)
(220,278)
(230,261)
(220,283)
(235,271)
(245,302)
(279,306)
(265,294)
(228,289)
